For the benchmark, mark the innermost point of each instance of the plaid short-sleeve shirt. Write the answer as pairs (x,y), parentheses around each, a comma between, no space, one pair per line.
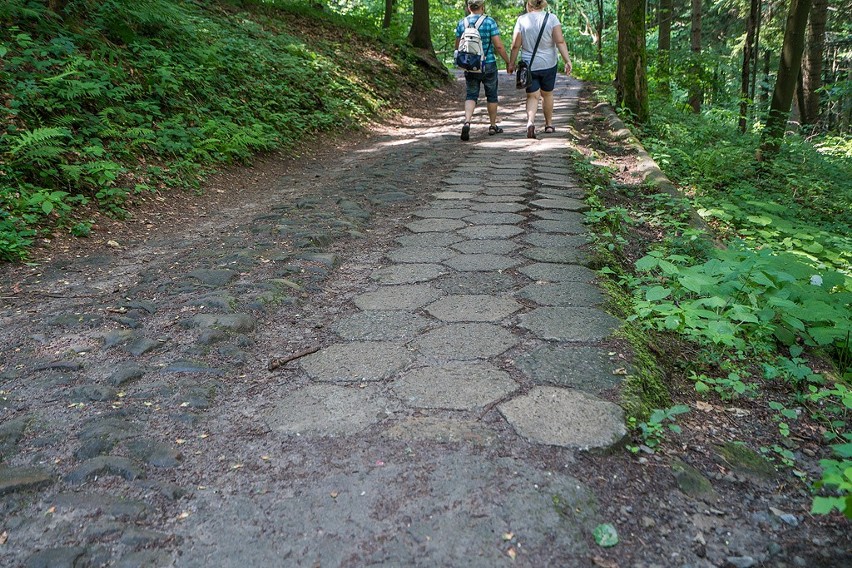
(487,30)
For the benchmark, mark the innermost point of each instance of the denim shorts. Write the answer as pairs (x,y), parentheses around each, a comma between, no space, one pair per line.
(544,79)
(488,79)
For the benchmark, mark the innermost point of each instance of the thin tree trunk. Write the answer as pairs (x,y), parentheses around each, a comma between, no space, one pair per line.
(696,94)
(631,77)
(748,55)
(386,21)
(756,50)
(599,27)
(664,44)
(785,83)
(812,62)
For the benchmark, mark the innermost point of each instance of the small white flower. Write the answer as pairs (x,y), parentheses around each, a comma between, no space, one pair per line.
(816,280)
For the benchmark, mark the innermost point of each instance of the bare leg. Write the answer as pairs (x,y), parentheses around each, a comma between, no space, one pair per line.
(492,113)
(532,106)
(468,110)
(547,107)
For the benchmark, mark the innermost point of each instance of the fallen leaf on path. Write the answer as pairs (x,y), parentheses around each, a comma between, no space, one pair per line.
(703,406)
(4,536)
(508,536)
(604,563)
(512,553)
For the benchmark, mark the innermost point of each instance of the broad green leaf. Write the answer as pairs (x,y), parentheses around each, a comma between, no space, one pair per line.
(647,263)
(843,450)
(825,335)
(657,293)
(762,220)
(696,282)
(824,505)
(47,207)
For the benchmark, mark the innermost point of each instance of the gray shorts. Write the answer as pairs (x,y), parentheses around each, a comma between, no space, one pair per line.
(488,79)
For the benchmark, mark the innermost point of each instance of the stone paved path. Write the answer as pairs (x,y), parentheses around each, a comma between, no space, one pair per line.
(460,366)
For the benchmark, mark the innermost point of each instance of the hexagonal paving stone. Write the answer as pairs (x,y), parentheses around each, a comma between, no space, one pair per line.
(476,283)
(454,386)
(566,294)
(565,418)
(554,193)
(486,246)
(429,239)
(490,232)
(406,297)
(494,218)
(465,341)
(551,272)
(420,254)
(586,367)
(499,207)
(570,324)
(498,198)
(472,308)
(557,255)
(559,226)
(441,431)
(442,213)
(381,325)
(329,410)
(481,262)
(408,273)
(511,190)
(561,203)
(435,225)
(553,240)
(453,195)
(358,361)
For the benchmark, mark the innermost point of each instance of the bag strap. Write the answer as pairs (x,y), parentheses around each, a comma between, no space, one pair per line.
(479,21)
(537,41)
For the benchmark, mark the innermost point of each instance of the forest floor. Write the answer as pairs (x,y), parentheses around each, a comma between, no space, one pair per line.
(450,394)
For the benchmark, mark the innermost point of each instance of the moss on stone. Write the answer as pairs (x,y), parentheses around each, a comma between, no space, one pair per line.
(746,461)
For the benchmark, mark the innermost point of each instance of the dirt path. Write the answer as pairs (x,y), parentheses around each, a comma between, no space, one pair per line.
(452,372)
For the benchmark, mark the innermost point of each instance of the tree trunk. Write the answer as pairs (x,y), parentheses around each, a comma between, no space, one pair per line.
(664,44)
(599,27)
(631,78)
(696,94)
(785,83)
(812,62)
(748,55)
(386,21)
(756,50)
(420,36)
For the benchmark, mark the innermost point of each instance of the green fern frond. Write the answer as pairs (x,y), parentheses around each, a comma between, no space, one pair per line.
(31,140)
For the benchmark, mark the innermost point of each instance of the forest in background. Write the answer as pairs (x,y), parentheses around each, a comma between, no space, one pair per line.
(106,100)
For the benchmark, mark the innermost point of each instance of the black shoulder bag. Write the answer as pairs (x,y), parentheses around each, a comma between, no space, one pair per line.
(522,74)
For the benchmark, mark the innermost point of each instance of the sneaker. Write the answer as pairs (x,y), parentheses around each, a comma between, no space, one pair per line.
(530,131)
(465,135)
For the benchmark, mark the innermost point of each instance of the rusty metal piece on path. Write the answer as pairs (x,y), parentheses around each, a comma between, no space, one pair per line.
(275,363)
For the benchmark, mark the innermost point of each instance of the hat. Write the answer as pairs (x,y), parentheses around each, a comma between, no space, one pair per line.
(475,3)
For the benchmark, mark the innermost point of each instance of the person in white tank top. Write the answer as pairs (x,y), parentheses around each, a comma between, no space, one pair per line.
(543,69)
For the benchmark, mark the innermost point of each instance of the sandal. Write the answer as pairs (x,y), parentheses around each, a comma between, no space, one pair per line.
(530,131)
(549,129)
(465,135)
(494,129)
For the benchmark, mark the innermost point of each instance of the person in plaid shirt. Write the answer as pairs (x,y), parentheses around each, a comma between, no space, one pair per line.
(490,34)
